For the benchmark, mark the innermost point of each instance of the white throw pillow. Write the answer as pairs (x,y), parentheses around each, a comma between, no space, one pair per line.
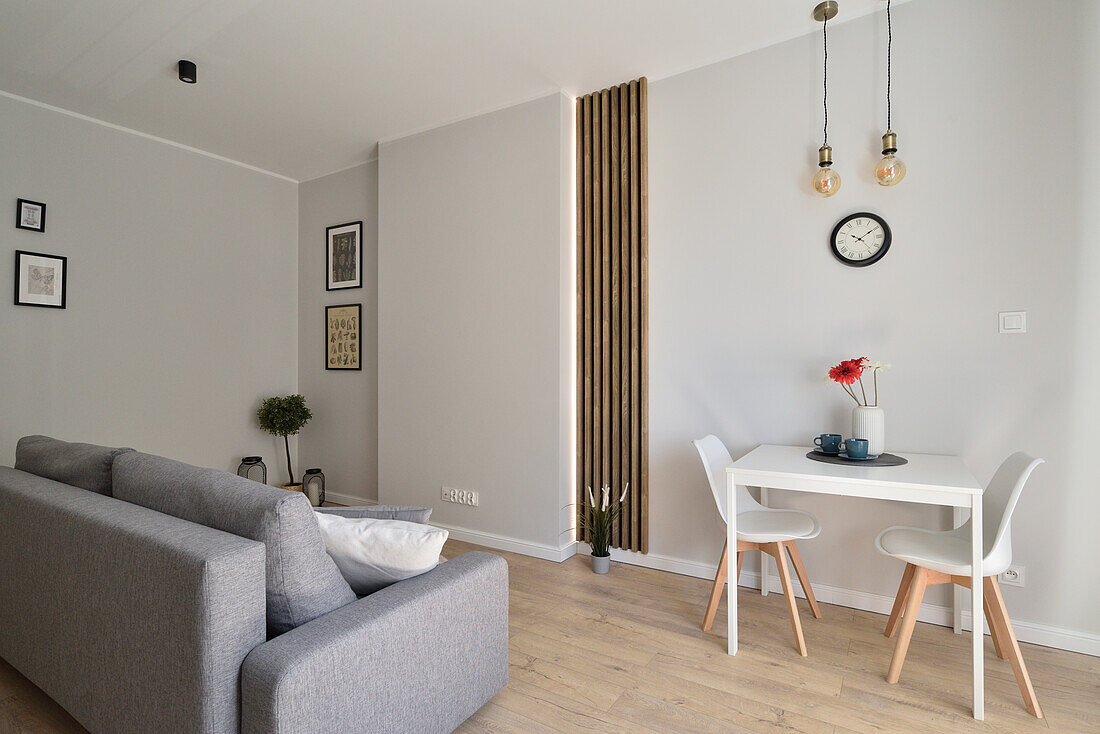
(372,553)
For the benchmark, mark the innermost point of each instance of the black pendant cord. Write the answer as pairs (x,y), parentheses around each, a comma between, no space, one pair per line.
(889,58)
(825,97)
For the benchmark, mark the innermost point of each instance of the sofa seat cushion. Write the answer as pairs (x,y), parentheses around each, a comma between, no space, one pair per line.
(81,465)
(303,582)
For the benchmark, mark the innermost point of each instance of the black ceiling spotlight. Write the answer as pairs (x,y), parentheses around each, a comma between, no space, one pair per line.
(188,71)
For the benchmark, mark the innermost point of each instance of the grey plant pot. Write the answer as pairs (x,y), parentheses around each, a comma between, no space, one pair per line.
(601,564)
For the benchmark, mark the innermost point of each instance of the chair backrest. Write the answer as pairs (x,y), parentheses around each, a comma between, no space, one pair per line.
(716,457)
(999,502)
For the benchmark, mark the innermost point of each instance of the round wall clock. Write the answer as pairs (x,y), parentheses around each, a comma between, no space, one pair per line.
(860,239)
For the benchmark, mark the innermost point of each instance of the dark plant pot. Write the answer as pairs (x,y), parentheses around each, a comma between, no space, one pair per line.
(601,564)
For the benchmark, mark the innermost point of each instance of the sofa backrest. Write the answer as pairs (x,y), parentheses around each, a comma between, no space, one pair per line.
(303,582)
(82,465)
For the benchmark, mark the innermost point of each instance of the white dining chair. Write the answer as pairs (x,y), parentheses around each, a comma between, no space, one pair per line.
(943,557)
(758,528)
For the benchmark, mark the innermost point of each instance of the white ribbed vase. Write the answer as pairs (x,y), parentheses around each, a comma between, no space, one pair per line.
(869,422)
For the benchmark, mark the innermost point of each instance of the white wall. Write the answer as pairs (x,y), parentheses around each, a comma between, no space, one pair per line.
(342,438)
(474,287)
(182,293)
(748,306)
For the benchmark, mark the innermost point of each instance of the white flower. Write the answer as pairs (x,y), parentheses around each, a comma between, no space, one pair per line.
(591,499)
(625,490)
(878,366)
(606,497)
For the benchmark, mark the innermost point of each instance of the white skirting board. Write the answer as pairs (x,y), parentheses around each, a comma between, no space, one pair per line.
(348,500)
(1039,634)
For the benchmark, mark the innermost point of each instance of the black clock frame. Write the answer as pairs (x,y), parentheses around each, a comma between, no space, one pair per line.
(886,240)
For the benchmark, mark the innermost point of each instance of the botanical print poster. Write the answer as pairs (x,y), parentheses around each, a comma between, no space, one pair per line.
(344,256)
(343,332)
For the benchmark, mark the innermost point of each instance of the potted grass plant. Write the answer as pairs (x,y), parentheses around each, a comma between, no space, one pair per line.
(285,416)
(599,522)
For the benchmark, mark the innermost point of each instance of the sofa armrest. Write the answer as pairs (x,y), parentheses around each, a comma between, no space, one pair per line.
(131,619)
(421,655)
(382,512)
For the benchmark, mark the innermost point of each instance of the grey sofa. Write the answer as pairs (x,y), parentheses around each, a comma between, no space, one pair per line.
(145,595)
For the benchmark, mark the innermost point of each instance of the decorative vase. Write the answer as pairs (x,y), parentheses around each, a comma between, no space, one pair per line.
(869,422)
(601,564)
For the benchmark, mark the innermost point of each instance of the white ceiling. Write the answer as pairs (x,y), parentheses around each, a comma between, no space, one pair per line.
(307,87)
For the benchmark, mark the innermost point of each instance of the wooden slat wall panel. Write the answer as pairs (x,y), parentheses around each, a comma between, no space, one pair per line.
(612,306)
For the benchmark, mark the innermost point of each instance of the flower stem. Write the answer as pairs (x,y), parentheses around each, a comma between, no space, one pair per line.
(861,387)
(875,375)
(850,393)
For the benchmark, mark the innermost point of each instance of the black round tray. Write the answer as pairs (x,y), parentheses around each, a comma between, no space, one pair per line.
(880,460)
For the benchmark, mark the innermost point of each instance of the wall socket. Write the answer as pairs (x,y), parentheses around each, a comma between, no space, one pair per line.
(460,496)
(1013,576)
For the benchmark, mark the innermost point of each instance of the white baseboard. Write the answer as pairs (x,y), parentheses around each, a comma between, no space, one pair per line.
(348,500)
(513,545)
(1039,634)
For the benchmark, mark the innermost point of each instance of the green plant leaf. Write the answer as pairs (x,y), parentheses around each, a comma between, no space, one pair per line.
(284,416)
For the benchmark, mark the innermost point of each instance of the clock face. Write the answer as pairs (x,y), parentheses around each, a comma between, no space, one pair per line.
(860,239)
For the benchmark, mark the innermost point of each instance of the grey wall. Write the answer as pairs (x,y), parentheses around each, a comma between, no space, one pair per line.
(182,299)
(473,298)
(748,307)
(342,438)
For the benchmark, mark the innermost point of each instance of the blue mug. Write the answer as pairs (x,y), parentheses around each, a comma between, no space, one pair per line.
(829,443)
(856,448)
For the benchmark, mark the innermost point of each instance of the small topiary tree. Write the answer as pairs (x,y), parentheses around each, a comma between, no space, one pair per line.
(284,417)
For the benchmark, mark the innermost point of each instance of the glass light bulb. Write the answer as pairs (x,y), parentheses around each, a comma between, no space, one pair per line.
(826,181)
(890,170)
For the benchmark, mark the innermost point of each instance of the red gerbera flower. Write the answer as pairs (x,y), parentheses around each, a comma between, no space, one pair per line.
(847,371)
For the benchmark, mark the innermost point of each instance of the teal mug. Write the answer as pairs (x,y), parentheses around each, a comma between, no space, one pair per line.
(829,443)
(856,448)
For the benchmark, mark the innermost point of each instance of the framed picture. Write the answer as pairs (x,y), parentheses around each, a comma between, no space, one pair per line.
(40,280)
(343,337)
(344,250)
(30,215)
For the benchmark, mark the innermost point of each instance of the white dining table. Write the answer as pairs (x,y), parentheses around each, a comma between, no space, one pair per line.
(928,479)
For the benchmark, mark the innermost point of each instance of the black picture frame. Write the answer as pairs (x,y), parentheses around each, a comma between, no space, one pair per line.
(24,277)
(19,204)
(337,254)
(334,338)
(886,240)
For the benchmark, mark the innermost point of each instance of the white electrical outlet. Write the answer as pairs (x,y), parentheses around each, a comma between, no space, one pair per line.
(1013,576)
(460,496)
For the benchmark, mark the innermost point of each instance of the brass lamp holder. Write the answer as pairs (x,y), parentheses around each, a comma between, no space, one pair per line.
(889,143)
(825,156)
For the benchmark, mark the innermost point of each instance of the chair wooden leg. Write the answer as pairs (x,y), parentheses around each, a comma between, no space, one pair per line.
(716,592)
(803,577)
(788,591)
(740,557)
(1011,646)
(899,600)
(993,631)
(908,622)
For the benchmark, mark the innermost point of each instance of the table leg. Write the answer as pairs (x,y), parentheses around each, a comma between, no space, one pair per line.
(959,514)
(976,609)
(731,540)
(765,563)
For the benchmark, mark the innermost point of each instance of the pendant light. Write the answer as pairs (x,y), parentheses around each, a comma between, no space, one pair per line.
(890,170)
(826,181)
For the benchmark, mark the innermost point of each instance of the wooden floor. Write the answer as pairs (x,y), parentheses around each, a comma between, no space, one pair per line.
(624,653)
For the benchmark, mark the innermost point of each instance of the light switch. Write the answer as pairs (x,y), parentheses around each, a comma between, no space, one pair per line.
(1013,322)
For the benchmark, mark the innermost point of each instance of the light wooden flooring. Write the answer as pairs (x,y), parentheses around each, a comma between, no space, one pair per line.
(624,653)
